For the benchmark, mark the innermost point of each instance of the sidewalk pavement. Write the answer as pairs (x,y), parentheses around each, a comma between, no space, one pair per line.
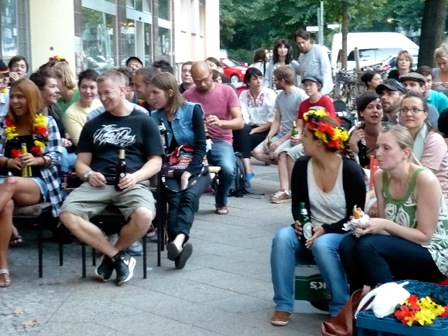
(225,288)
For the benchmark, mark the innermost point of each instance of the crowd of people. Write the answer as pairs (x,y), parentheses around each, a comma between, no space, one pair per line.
(54,123)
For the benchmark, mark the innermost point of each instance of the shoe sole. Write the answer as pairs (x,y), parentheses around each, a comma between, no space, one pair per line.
(172,251)
(279,323)
(281,201)
(131,267)
(184,256)
(102,278)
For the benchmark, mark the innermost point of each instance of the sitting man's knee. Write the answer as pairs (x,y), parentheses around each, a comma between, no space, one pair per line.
(143,218)
(68,219)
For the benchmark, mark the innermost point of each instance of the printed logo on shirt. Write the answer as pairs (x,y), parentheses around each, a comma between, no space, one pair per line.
(111,134)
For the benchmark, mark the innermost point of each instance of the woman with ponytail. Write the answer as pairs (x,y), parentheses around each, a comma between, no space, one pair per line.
(409,239)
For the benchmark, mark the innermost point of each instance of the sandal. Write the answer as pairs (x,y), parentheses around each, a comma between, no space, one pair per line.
(5,274)
(15,240)
(222,211)
(173,252)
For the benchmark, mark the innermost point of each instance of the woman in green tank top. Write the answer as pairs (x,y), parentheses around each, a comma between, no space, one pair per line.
(409,240)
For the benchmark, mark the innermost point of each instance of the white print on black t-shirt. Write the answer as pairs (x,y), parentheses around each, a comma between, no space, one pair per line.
(112,134)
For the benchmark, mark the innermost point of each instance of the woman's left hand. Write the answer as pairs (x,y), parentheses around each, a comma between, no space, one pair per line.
(184,180)
(373,226)
(318,231)
(29,160)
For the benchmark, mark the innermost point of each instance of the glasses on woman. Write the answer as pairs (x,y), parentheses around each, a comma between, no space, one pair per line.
(413,110)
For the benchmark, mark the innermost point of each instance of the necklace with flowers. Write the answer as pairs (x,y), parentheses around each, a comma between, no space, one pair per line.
(40,135)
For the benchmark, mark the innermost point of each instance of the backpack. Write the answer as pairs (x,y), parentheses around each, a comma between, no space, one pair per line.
(238,188)
(347,118)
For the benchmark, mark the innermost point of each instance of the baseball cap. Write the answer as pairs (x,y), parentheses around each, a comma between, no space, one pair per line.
(391,85)
(312,78)
(135,58)
(413,76)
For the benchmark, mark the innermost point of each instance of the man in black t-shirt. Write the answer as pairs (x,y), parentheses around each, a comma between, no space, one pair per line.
(120,127)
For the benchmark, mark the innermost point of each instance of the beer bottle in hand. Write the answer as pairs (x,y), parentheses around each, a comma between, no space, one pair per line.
(120,170)
(307,228)
(294,130)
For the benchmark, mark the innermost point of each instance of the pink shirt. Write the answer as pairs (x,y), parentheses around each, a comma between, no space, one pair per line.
(435,158)
(218,103)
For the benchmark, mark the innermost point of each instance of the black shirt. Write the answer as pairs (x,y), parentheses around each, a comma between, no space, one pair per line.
(14,145)
(106,134)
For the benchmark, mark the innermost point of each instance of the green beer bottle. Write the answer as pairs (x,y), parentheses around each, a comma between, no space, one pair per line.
(294,130)
(307,228)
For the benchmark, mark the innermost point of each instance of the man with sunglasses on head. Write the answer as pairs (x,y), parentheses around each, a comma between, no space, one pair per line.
(100,149)
(222,115)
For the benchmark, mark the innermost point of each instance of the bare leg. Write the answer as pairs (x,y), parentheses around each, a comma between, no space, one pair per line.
(88,233)
(247,165)
(260,155)
(136,228)
(5,235)
(290,163)
(283,171)
(22,191)
(179,241)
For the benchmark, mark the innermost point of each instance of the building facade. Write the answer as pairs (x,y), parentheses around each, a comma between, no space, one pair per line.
(101,34)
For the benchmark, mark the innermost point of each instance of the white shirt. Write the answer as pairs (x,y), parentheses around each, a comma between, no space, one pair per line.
(258,111)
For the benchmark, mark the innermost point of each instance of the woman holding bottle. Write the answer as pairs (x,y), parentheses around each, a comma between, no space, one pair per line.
(330,186)
(184,126)
(30,150)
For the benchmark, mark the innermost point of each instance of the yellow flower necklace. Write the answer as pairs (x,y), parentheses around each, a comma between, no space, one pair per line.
(40,135)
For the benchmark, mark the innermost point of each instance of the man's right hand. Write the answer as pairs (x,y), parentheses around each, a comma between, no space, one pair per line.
(97,180)
(295,140)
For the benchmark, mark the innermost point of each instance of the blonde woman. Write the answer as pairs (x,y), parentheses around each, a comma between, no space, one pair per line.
(185,127)
(403,65)
(67,87)
(412,214)
(440,74)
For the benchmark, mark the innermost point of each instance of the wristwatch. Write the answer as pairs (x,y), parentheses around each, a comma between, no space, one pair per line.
(87,175)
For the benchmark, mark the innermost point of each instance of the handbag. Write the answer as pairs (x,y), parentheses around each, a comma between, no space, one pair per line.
(343,324)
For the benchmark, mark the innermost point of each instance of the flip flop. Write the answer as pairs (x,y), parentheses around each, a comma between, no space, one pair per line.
(5,274)
(222,211)
(15,240)
(172,250)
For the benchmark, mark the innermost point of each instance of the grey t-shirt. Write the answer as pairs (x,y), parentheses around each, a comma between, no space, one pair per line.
(433,115)
(288,105)
(316,62)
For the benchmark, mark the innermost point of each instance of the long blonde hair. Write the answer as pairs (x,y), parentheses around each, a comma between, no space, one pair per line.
(65,74)
(166,81)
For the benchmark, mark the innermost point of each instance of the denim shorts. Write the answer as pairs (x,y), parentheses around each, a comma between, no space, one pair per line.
(41,183)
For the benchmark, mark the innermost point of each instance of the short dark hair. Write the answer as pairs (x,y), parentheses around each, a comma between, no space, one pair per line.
(259,55)
(425,70)
(40,77)
(148,73)
(251,72)
(133,58)
(277,44)
(89,74)
(215,61)
(164,66)
(367,77)
(186,63)
(16,59)
(128,73)
(365,99)
(303,34)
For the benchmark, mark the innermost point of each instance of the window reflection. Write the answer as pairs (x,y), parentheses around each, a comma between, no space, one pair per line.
(164,44)
(164,9)
(98,40)
(9,28)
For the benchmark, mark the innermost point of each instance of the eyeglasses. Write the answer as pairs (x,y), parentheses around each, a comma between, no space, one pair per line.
(414,110)
(202,81)
(107,93)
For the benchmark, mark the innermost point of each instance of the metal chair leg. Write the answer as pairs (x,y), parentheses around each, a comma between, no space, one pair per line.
(145,269)
(40,246)
(83,253)
(61,246)
(93,257)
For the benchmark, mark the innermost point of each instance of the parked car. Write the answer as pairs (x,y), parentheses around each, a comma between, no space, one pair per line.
(234,70)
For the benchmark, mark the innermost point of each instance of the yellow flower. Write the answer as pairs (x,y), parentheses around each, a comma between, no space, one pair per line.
(41,120)
(11,133)
(321,135)
(40,144)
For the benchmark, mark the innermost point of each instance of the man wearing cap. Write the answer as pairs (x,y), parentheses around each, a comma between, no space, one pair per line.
(415,82)
(134,63)
(392,93)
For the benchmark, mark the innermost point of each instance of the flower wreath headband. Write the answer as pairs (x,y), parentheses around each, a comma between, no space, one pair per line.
(332,136)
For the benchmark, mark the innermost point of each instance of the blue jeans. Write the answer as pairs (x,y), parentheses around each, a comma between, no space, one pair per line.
(68,160)
(287,250)
(222,155)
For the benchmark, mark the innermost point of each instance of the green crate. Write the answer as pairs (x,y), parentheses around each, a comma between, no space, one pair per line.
(311,288)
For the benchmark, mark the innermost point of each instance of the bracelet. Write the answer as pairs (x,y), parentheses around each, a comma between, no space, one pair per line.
(47,160)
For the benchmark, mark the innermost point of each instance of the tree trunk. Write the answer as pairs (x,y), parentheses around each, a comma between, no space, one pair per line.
(433,27)
(345,33)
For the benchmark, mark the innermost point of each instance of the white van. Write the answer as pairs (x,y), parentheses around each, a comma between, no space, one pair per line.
(373,48)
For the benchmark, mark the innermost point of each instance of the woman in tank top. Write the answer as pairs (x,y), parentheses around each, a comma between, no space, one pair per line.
(409,240)
(329,186)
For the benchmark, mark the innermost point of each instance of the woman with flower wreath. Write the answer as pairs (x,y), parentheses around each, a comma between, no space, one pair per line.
(24,126)
(330,186)
(409,239)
